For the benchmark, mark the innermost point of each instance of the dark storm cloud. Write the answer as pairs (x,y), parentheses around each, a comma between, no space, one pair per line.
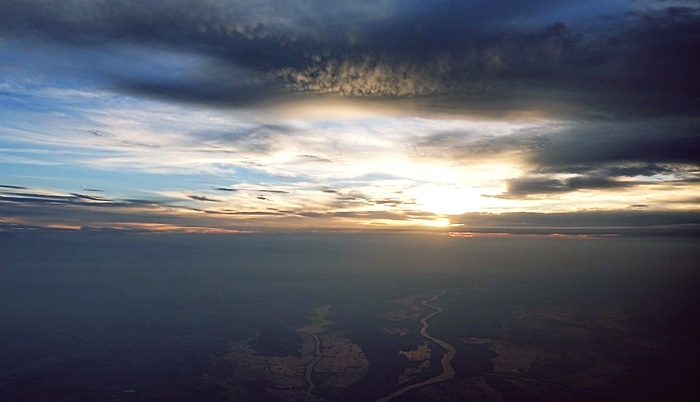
(524,186)
(595,176)
(12,187)
(226,189)
(490,55)
(648,141)
(590,154)
(598,153)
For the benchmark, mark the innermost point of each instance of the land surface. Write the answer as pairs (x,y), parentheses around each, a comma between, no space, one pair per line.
(325,360)
(184,318)
(446,361)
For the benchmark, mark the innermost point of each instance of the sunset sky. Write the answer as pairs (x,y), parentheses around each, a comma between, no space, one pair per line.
(540,117)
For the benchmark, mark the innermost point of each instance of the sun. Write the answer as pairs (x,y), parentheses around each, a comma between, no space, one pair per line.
(447,199)
(437,223)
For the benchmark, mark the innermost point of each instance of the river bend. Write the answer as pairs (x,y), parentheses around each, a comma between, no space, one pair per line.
(447,371)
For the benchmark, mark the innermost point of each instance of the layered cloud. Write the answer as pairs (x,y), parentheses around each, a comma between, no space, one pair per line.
(286,114)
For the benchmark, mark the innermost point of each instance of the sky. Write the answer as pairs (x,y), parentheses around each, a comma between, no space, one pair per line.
(537,117)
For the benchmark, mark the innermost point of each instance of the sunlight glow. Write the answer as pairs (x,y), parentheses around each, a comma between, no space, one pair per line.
(448,199)
(439,222)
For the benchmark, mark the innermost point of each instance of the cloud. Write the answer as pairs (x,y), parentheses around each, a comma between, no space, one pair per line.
(487,142)
(595,175)
(607,155)
(487,56)
(624,222)
(627,170)
(524,186)
(45,198)
(314,158)
(274,191)
(364,215)
(355,198)
(89,197)
(38,209)
(39,198)
(647,141)
(349,111)
(246,213)
(202,198)
(250,139)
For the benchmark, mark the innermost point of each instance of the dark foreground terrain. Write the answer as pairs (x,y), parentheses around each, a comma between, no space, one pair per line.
(145,317)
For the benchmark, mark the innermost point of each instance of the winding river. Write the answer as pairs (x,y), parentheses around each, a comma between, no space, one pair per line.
(447,371)
(318,327)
